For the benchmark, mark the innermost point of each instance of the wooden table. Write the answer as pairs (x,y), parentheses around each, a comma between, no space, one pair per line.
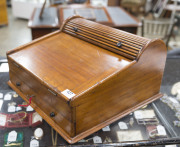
(45,25)
(115,17)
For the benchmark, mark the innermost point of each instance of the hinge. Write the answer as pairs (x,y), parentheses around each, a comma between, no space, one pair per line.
(16,64)
(52,92)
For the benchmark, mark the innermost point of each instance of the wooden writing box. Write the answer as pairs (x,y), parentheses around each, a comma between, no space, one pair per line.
(87,75)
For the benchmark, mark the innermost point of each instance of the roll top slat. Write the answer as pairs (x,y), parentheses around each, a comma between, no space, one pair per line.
(117,41)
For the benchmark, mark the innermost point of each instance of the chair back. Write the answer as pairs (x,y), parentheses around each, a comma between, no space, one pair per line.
(161,28)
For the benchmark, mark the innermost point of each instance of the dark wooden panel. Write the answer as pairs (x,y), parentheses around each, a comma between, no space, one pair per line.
(39,32)
(114,2)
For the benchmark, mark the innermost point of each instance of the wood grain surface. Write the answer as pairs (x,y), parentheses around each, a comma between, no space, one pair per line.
(107,83)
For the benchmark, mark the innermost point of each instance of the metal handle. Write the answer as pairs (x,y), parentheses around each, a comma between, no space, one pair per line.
(18,84)
(52,114)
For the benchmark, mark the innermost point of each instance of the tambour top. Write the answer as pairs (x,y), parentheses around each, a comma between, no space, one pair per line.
(120,42)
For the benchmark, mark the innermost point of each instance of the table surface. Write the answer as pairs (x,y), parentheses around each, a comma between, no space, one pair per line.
(165,116)
(111,16)
(49,18)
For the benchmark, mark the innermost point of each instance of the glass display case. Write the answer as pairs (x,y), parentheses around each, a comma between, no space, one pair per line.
(155,124)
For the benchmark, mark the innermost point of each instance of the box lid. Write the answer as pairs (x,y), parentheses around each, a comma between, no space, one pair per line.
(76,61)
(66,62)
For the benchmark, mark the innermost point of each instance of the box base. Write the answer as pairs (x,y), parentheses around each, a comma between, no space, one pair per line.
(75,139)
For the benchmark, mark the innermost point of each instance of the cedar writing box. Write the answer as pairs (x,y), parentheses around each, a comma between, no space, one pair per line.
(86,75)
